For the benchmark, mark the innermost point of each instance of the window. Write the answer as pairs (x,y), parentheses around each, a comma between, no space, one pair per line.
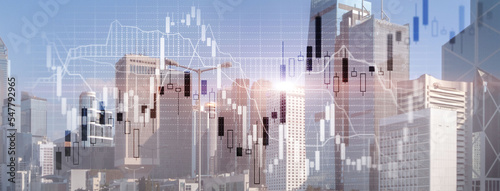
(188,187)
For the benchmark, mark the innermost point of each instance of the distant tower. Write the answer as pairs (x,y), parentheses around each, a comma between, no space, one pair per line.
(4,65)
(324,28)
(374,57)
(209,138)
(46,158)
(258,110)
(34,115)
(88,112)
(153,122)
(231,107)
(285,154)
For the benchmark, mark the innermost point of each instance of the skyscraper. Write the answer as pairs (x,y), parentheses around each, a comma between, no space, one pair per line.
(4,68)
(429,92)
(285,154)
(97,122)
(88,113)
(324,27)
(153,124)
(258,110)
(374,57)
(419,154)
(232,106)
(209,138)
(4,72)
(486,128)
(176,125)
(25,151)
(475,46)
(472,56)
(34,116)
(153,104)
(46,159)
(136,81)
(23,180)
(3,88)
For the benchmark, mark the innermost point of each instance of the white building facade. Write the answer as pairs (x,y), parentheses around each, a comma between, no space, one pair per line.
(285,154)
(420,154)
(47,159)
(429,92)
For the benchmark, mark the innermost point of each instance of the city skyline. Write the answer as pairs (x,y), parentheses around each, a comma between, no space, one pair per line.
(238,95)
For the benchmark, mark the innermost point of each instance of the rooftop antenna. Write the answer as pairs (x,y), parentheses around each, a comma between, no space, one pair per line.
(383,16)
(363,8)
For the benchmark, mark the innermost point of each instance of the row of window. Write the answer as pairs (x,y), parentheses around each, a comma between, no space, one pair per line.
(142,69)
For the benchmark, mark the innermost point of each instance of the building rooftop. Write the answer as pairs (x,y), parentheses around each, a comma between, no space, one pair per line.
(27,95)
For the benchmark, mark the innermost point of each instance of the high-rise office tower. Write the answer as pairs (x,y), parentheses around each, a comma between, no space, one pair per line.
(429,92)
(486,128)
(324,27)
(88,113)
(483,9)
(475,46)
(96,126)
(176,130)
(3,87)
(420,154)
(153,104)
(209,138)
(153,124)
(4,118)
(25,151)
(472,56)
(285,153)
(4,60)
(373,57)
(47,159)
(34,115)
(27,156)
(4,69)
(4,72)
(137,81)
(232,106)
(23,180)
(258,110)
